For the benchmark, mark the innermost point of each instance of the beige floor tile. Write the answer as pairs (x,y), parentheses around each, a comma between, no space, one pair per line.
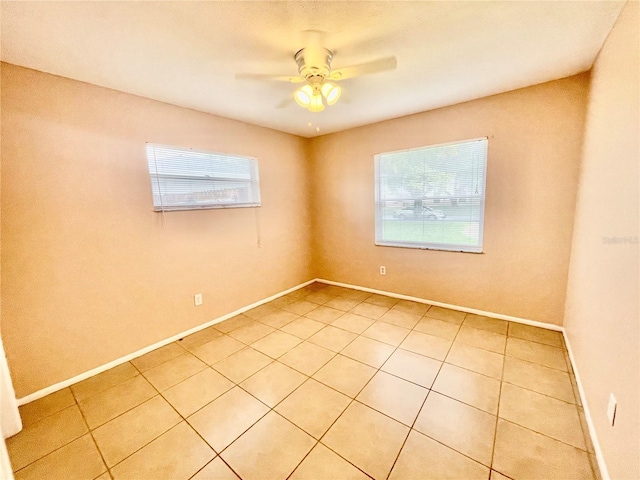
(475,337)
(368,351)
(439,328)
(77,460)
(276,344)
(425,459)
(412,307)
(497,476)
(447,314)
(353,323)
(179,453)
(476,359)
(313,407)
(260,311)
(401,318)
(387,333)
(273,383)
(196,391)
(394,397)
(345,375)
(200,338)
(45,436)
(271,449)
(216,469)
(366,438)
(523,454)
(227,417)
(536,334)
(307,357)
(217,349)
(412,367)
(251,332)
(486,323)
(334,290)
(324,314)
(242,364)
(323,464)
(546,415)
(465,429)
(157,356)
(369,310)
(342,303)
(46,406)
(382,300)
(104,380)
(355,294)
(469,387)
(424,344)
(537,353)
(278,319)
(174,371)
(104,406)
(300,307)
(532,376)
(303,327)
(319,297)
(131,431)
(333,338)
(233,323)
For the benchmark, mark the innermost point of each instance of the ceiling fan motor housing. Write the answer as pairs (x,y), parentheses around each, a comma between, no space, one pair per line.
(314,63)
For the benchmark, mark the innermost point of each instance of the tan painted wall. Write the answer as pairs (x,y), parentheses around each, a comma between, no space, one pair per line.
(602,315)
(90,272)
(535,137)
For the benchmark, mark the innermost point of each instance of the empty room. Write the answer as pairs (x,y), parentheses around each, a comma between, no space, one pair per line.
(319,240)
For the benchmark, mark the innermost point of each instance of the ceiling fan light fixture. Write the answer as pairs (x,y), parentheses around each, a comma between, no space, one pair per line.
(316,104)
(303,96)
(331,92)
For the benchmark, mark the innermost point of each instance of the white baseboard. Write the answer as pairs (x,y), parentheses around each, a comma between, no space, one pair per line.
(499,316)
(102,368)
(604,472)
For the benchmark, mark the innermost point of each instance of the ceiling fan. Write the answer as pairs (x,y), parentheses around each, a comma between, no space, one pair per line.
(314,70)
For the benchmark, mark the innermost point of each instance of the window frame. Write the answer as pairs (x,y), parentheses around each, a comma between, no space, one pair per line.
(449,247)
(253,181)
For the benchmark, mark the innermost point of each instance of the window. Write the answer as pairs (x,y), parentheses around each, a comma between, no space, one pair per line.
(185,179)
(432,197)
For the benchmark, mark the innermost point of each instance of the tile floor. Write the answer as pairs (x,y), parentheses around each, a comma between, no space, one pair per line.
(323,383)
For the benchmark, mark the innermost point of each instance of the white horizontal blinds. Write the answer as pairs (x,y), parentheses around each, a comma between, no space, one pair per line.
(432,197)
(184,179)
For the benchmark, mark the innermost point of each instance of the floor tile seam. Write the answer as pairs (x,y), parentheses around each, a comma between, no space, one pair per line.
(421,406)
(543,434)
(138,373)
(507,354)
(184,350)
(539,393)
(472,371)
(25,426)
(206,365)
(536,341)
(247,378)
(495,428)
(462,342)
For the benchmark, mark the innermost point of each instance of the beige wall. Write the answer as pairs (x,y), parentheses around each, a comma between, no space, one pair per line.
(89,272)
(535,137)
(602,315)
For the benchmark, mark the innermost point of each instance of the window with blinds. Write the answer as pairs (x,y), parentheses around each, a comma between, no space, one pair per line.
(186,179)
(432,197)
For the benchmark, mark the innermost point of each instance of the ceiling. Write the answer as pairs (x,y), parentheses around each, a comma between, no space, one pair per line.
(187,53)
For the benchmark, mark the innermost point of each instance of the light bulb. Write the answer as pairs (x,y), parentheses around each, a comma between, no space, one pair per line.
(331,92)
(316,104)
(303,95)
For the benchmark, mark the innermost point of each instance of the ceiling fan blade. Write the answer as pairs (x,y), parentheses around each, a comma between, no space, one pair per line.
(375,66)
(264,76)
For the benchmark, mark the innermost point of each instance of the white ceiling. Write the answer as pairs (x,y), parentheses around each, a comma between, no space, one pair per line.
(187,53)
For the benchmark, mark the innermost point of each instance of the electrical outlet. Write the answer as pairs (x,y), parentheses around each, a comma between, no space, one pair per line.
(383,270)
(197,299)
(611,409)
